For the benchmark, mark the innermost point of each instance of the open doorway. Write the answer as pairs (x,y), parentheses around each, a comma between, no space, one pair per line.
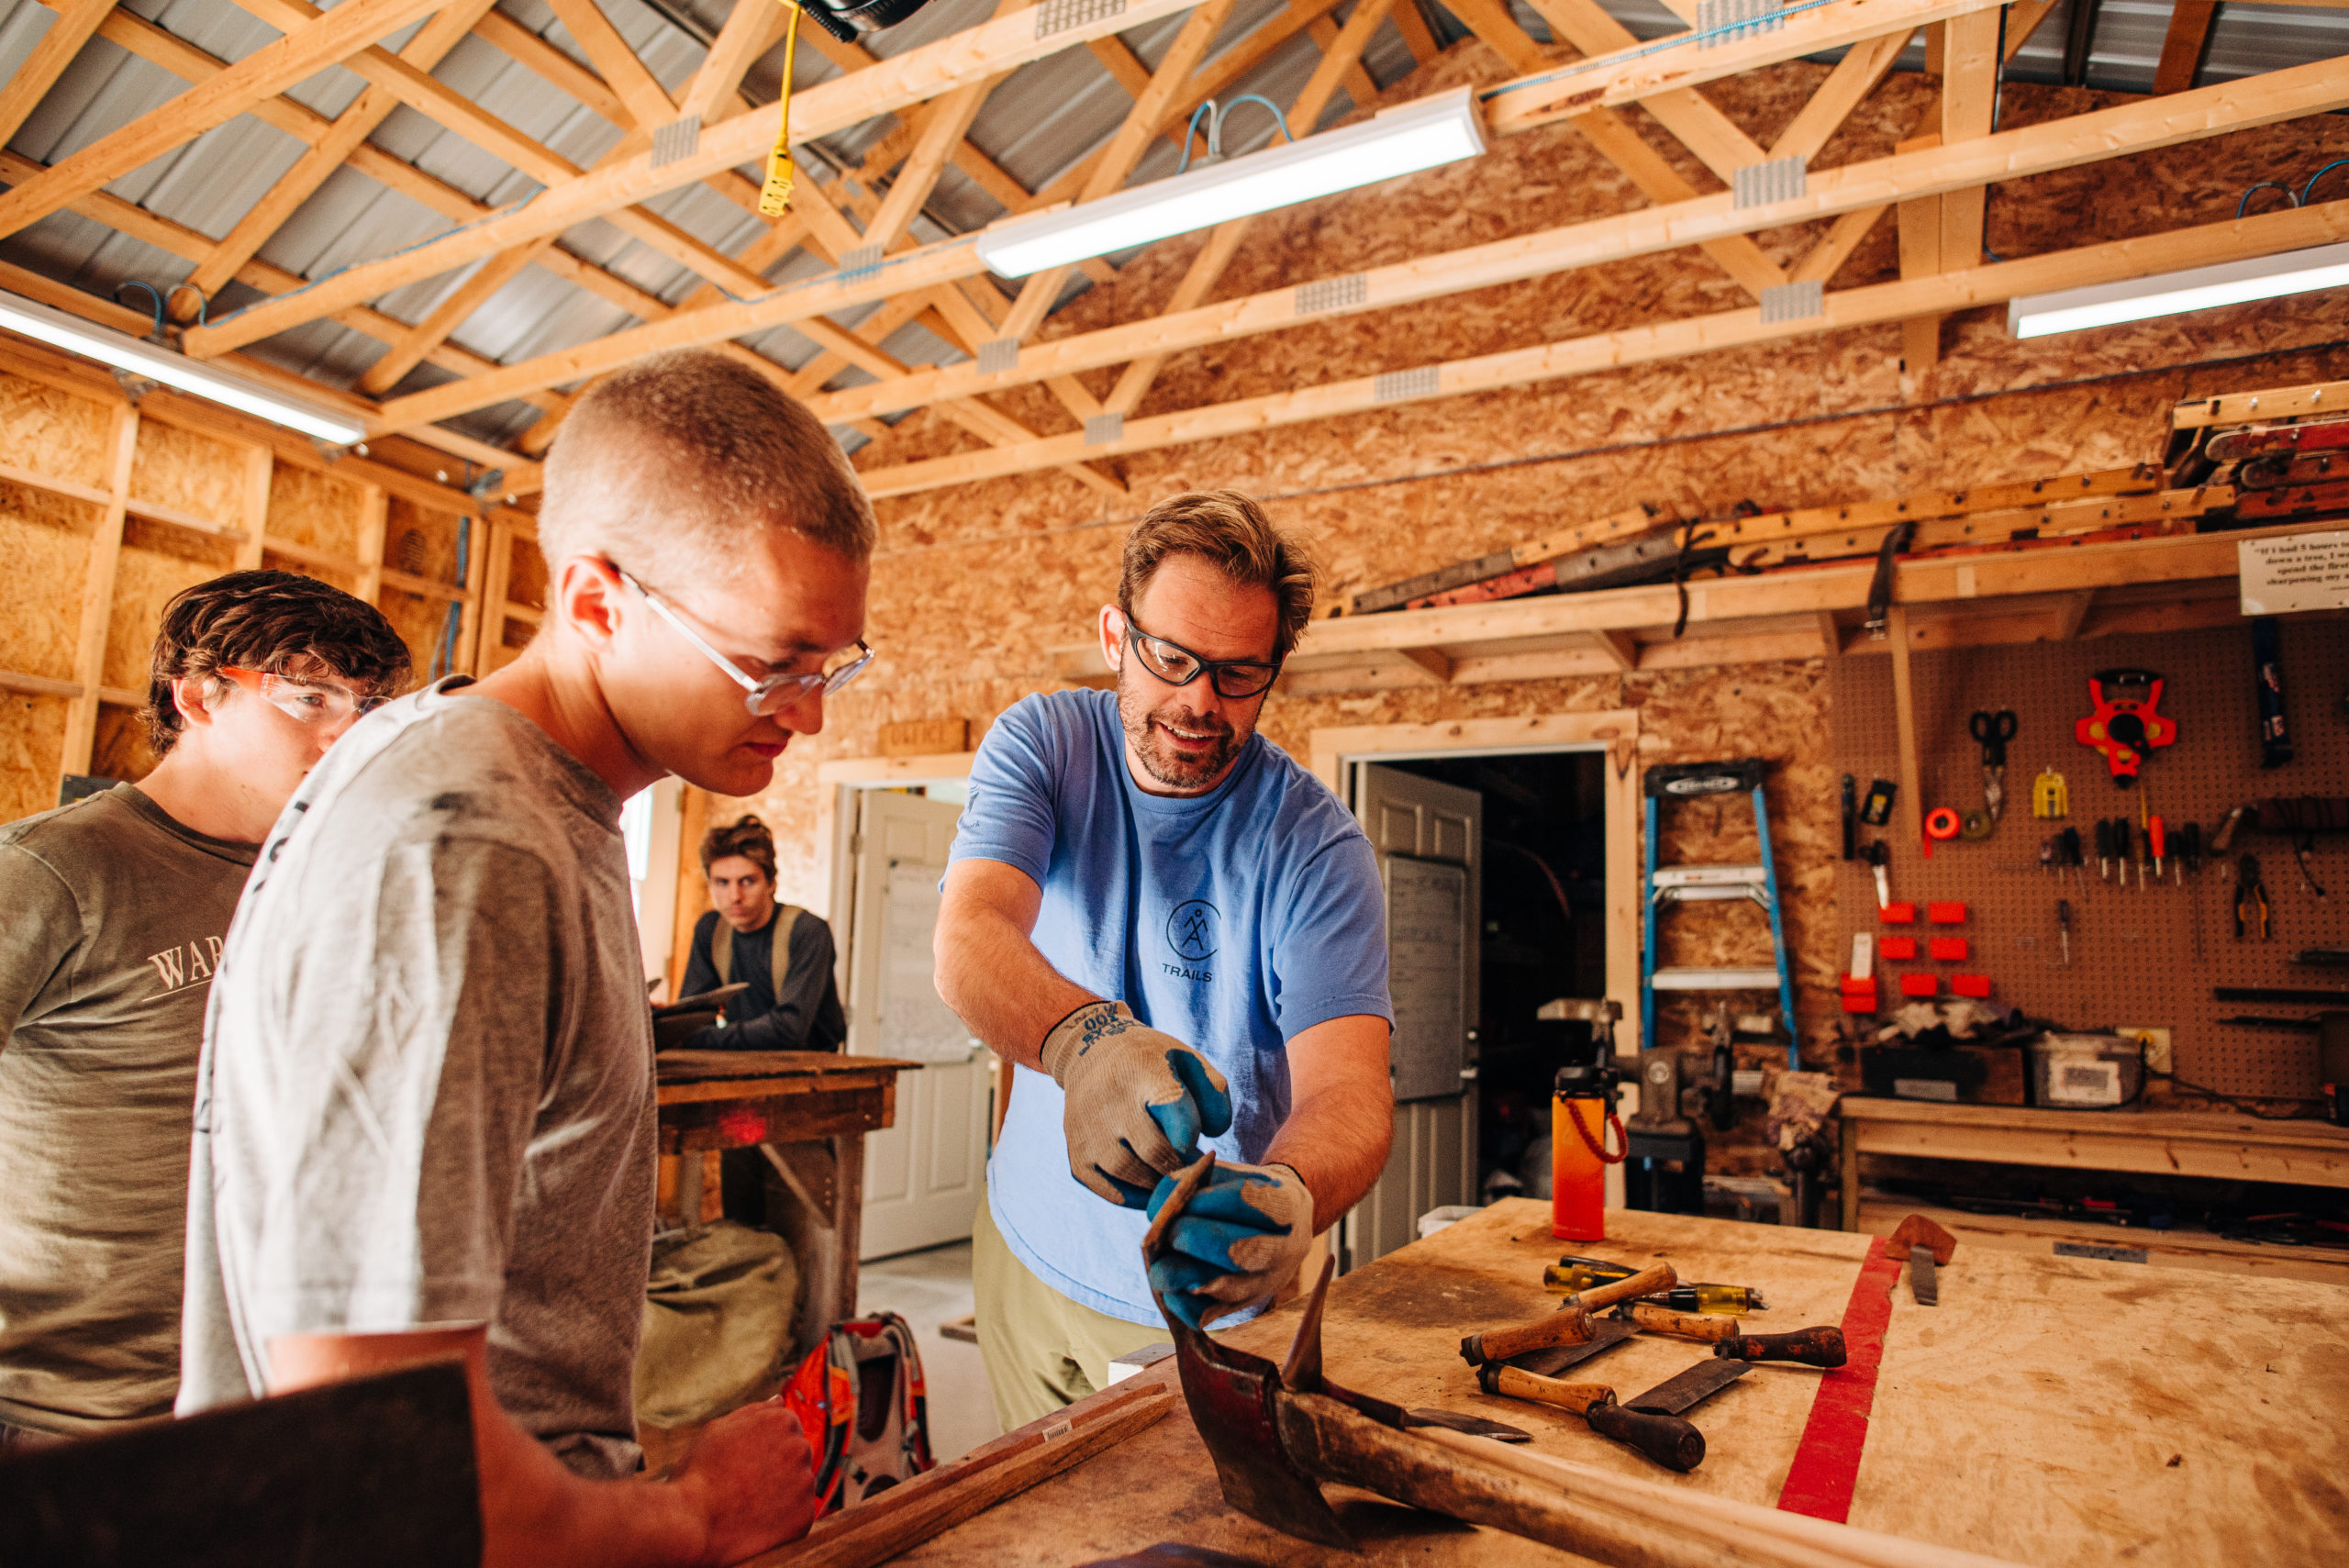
(1542,934)
(1507,854)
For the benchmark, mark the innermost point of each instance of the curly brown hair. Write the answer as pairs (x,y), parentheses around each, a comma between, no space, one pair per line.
(278,622)
(747,837)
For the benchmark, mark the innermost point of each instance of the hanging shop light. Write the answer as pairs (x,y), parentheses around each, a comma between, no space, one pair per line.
(2173,294)
(1400,140)
(172,368)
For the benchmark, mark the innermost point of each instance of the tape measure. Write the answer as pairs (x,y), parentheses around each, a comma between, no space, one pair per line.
(2051,798)
(1942,822)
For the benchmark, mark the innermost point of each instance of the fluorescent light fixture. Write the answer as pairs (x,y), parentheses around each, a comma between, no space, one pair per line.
(140,358)
(1400,140)
(2172,294)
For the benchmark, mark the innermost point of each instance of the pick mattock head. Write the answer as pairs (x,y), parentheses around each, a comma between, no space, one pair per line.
(1234,1401)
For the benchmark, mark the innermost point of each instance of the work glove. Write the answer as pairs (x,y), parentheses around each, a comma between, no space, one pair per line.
(1241,1237)
(1137,1100)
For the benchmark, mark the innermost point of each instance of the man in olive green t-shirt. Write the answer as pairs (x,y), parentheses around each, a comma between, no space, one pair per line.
(116,906)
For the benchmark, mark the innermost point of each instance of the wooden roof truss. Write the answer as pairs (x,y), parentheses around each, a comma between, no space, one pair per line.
(858,223)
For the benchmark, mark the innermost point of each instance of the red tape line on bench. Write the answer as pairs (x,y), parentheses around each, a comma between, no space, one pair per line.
(1827,1461)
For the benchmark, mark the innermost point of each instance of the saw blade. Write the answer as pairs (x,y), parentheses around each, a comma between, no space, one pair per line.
(1924,1278)
(1674,1395)
(1605,1333)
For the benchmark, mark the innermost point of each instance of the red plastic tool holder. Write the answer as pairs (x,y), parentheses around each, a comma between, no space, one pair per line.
(1921,984)
(1897,914)
(1902,947)
(1945,914)
(1948,950)
(1970,985)
(1859,995)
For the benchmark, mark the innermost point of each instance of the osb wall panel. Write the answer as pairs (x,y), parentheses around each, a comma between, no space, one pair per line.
(53,432)
(45,540)
(157,562)
(181,469)
(423,543)
(420,622)
(32,730)
(313,509)
(121,751)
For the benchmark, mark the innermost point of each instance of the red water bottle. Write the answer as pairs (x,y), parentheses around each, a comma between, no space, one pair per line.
(1582,1115)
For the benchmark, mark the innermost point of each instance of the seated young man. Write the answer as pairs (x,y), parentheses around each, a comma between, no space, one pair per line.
(793,1005)
(115,910)
(424,1124)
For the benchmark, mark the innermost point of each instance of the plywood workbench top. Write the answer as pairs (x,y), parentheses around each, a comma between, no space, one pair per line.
(2053,1411)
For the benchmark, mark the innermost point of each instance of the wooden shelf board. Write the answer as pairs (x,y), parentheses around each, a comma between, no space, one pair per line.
(2216,1145)
(2186,1247)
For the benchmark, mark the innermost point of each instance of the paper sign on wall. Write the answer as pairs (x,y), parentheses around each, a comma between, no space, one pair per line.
(2306,572)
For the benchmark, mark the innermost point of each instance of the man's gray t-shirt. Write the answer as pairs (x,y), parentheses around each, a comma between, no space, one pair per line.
(111,920)
(427,1090)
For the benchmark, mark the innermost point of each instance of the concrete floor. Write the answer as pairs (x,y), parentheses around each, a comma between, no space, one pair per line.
(927,1289)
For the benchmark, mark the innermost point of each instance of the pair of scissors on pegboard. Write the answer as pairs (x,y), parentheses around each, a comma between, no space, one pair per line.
(1994,730)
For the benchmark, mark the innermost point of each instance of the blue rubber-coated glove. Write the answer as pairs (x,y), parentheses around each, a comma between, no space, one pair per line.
(1137,1100)
(1241,1237)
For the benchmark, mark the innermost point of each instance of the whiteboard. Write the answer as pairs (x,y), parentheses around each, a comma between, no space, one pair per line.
(1425,946)
(915,1024)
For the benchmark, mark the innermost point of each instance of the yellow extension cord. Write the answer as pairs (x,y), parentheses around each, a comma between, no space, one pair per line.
(775,198)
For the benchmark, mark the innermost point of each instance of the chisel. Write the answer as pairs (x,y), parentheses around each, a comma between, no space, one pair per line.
(1820,1347)
(1666,1439)
(1571,1324)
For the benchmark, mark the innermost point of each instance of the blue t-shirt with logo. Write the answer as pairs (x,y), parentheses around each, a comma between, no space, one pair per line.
(1232,921)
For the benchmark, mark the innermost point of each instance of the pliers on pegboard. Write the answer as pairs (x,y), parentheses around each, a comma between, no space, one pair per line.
(2251,902)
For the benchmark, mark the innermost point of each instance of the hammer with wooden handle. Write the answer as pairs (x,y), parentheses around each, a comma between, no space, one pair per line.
(1569,1324)
(1669,1440)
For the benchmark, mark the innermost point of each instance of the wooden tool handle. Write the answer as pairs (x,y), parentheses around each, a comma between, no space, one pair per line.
(1650,1281)
(1669,1440)
(1822,1346)
(1569,1324)
(1710,1326)
(1512,1383)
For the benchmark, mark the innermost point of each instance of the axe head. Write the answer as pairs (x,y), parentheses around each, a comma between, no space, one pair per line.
(1234,1401)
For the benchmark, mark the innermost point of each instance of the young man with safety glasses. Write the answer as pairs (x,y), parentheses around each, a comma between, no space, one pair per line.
(1177,935)
(116,908)
(425,1118)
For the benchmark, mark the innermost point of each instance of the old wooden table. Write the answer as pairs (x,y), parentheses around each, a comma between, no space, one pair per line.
(2051,1410)
(808,1111)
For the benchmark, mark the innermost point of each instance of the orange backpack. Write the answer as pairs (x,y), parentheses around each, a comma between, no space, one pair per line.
(859,1398)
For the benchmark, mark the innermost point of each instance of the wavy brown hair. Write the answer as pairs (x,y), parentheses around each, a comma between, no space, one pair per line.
(278,622)
(747,837)
(1230,531)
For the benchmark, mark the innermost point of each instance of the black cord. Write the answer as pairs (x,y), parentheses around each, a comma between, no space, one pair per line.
(2248,1107)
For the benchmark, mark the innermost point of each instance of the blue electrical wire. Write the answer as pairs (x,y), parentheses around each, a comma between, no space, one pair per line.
(157,330)
(2319,174)
(2266,185)
(1217,115)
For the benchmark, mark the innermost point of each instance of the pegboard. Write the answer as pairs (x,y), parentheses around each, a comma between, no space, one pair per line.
(2136,957)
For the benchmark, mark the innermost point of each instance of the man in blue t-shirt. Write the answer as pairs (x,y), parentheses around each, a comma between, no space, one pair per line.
(1177,935)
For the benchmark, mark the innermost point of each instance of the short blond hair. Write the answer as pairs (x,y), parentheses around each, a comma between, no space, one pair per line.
(678,457)
(1230,532)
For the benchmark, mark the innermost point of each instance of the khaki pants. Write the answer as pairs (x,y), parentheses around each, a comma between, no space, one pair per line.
(1042,1350)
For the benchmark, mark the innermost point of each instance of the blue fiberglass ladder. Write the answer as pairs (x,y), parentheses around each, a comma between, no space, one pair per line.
(1701,883)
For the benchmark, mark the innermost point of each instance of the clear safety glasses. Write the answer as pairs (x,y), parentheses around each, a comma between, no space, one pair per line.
(774,692)
(310,702)
(1177,666)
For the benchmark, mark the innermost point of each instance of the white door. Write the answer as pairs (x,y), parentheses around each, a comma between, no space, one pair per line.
(1429,838)
(923,1176)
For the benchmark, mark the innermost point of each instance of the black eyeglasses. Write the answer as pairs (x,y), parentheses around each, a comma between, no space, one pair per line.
(1179,666)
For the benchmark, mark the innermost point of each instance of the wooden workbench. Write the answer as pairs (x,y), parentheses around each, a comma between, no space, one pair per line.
(808,1111)
(2051,1411)
(2216,1145)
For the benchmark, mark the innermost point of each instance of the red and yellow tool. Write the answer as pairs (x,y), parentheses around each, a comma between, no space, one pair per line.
(2125,725)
